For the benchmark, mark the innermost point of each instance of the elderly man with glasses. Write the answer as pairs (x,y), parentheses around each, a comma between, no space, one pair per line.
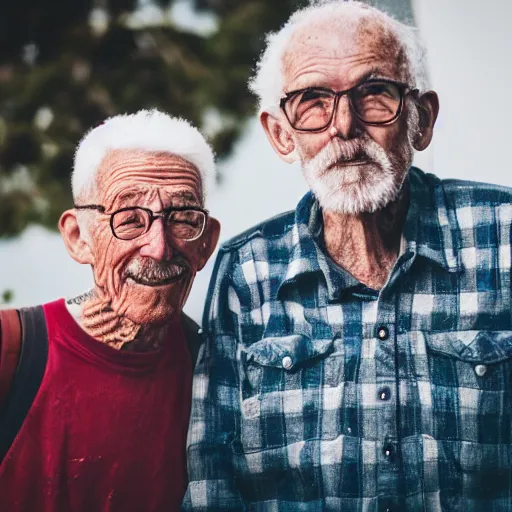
(359,348)
(97,415)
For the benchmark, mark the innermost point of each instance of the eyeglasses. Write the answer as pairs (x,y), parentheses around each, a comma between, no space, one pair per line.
(374,102)
(182,222)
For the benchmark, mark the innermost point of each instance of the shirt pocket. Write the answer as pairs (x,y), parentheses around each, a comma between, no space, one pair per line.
(464,358)
(465,385)
(475,347)
(280,377)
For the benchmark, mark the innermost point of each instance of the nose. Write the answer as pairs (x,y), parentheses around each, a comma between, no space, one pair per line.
(345,123)
(157,244)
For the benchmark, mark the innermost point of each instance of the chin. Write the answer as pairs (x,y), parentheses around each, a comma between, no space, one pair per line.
(154,304)
(352,174)
(364,185)
(355,189)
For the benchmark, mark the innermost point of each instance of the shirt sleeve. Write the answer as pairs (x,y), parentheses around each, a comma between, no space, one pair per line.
(215,409)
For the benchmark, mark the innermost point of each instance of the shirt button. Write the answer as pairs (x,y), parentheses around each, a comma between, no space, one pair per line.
(386,505)
(287,362)
(480,370)
(384,393)
(383,333)
(388,450)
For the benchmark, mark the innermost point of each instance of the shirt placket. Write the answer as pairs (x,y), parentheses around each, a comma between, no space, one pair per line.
(381,330)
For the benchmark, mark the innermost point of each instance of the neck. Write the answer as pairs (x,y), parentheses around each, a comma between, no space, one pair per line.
(367,244)
(94,314)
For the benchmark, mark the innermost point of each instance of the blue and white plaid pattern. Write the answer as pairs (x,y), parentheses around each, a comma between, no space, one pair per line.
(314,392)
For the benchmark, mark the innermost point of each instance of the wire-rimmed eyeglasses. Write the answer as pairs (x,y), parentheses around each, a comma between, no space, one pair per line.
(182,222)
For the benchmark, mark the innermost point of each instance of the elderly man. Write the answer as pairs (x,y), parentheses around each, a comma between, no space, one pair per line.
(106,430)
(359,353)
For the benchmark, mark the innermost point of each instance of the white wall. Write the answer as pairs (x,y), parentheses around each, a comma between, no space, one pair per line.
(470,56)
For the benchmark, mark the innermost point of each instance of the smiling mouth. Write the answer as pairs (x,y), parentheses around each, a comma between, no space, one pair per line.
(155,282)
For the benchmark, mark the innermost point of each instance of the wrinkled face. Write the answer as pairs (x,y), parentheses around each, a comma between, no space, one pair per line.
(351,167)
(148,278)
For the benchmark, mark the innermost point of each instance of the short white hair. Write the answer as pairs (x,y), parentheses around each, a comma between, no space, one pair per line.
(147,130)
(268,80)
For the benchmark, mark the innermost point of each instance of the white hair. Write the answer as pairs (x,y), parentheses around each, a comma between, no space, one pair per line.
(268,80)
(147,130)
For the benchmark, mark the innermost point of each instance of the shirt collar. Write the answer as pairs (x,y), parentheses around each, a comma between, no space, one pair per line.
(304,251)
(307,256)
(430,230)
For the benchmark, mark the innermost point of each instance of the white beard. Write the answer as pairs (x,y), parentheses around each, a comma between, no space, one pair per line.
(354,189)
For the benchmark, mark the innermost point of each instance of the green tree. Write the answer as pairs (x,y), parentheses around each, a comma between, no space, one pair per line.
(62,73)
(67,65)
(6,297)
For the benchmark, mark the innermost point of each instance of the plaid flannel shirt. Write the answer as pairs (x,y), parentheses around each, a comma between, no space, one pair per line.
(314,392)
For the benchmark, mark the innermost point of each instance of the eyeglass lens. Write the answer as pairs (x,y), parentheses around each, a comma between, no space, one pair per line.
(131,223)
(373,102)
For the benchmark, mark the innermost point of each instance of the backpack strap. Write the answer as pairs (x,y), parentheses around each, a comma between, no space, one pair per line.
(28,376)
(10,347)
(192,335)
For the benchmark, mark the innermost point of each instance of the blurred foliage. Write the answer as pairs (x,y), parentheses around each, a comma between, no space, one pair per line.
(61,75)
(6,297)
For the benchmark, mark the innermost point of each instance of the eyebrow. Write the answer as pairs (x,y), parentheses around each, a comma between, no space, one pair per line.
(178,198)
(183,196)
(129,195)
(374,73)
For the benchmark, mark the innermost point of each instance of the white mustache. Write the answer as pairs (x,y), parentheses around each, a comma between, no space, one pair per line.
(338,151)
(154,271)
(348,150)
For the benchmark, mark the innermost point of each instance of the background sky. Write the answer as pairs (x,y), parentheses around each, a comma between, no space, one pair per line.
(470,48)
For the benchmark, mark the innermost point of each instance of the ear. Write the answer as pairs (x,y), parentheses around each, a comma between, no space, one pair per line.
(208,241)
(279,135)
(428,108)
(74,241)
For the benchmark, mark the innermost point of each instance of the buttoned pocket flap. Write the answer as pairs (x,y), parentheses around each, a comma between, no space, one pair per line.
(288,352)
(473,346)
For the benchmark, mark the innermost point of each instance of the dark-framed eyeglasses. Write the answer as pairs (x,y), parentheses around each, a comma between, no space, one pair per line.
(373,101)
(181,222)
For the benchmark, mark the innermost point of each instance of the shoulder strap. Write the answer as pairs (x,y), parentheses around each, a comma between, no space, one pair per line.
(28,376)
(10,346)
(192,335)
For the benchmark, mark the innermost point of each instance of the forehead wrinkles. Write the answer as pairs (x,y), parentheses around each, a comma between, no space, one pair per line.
(140,172)
(119,164)
(347,39)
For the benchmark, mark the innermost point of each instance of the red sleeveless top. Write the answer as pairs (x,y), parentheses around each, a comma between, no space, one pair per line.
(107,429)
